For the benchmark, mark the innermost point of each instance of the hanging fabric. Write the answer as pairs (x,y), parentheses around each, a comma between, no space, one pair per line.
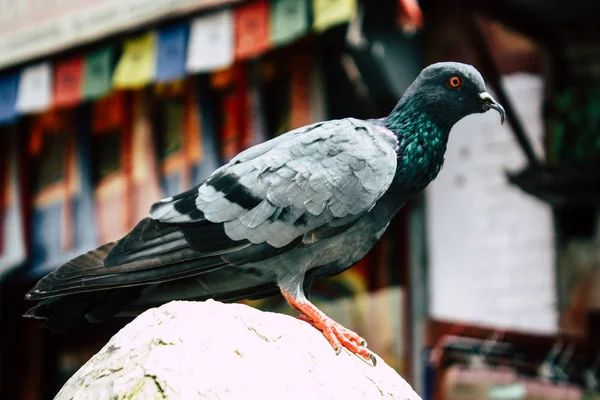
(13,251)
(307,94)
(97,75)
(329,13)
(231,86)
(8,98)
(255,126)
(145,186)
(171,53)
(112,169)
(203,103)
(289,21)
(252,26)
(184,136)
(211,42)
(68,82)
(35,89)
(172,140)
(62,215)
(137,66)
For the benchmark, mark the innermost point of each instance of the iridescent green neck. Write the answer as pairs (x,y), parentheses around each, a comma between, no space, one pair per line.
(422,143)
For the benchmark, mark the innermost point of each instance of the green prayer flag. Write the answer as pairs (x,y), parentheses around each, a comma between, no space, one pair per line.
(289,20)
(97,75)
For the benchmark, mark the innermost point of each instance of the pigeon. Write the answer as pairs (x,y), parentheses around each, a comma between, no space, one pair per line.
(308,203)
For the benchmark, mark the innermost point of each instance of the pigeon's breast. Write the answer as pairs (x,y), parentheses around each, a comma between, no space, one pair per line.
(420,154)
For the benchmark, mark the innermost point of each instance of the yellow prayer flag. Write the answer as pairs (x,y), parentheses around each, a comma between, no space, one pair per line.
(328,13)
(137,65)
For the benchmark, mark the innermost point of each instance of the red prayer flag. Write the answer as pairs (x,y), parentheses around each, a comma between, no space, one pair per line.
(68,82)
(252,35)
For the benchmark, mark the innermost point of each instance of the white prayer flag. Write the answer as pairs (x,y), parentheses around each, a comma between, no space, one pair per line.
(210,45)
(35,88)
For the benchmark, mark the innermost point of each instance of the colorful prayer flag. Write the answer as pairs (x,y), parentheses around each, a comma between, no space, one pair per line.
(211,42)
(252,26)
(171,57)
(35,88)
(9,85)
(97,77)
(328,13)
(137,66)
(289,20)
(68,82)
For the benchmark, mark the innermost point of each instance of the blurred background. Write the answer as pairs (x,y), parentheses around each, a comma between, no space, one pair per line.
(486,286)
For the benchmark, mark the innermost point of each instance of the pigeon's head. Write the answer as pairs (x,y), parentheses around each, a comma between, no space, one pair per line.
(449,91)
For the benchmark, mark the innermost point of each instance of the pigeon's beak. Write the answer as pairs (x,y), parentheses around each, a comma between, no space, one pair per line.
(489,102)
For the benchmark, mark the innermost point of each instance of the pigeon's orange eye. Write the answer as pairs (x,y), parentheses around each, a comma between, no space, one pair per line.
(454,82)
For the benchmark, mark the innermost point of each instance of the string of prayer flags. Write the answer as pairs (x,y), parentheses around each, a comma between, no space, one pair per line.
(289,20)
(97,75)
(252,26)
(68,82)
(328,13)
(35,88)
(137,66)
(9,85)
(171,53)
(210,44)
(13,251)
(62,217)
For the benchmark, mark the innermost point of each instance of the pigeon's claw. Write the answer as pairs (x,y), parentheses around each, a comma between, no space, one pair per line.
(353,337)
(336,334)
(346,342)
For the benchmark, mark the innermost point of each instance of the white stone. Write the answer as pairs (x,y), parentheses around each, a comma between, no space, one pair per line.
(209,350)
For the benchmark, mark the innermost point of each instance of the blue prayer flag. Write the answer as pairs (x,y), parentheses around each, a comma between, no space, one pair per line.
(8,98)
(172,45)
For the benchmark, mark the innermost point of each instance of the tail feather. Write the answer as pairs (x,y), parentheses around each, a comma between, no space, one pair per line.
(59,314)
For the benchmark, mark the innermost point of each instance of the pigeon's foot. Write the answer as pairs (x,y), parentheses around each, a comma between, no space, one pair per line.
(350,335)
(335,333)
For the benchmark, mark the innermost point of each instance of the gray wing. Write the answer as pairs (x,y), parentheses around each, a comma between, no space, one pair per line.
(281,190)
(300,187)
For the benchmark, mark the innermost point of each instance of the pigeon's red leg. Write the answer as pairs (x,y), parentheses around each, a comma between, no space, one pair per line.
(345,331)
(337,337)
